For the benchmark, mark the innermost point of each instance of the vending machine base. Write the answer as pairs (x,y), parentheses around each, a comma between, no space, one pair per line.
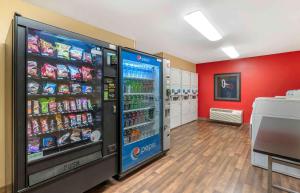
(140,166)
(79,181)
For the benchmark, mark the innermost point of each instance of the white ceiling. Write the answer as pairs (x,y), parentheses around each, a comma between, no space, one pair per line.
(254,27)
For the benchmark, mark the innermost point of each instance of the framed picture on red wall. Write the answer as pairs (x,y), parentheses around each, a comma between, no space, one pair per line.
(227,86)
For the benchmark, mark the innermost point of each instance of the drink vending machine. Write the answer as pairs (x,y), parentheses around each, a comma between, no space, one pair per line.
(141,109)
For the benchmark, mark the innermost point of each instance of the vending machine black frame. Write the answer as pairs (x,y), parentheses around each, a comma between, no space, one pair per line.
(148,161)
(77,178)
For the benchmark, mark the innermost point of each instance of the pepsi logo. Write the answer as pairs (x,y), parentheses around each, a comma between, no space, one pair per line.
(135,153)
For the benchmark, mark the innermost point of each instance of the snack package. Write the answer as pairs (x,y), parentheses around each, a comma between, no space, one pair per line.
(35,127)
(44,105)
(74,72)
(87,57)
(47,48)
(72,118)
(62,50)
(60,107)
(66,105)
(76,88)
(29,129)
(62,71)
(32,44)
(73,105)
(86,133)
(52,125)
(63,139)
(89,118)
(76,53)
(32,69)
(75,136)
(48,71)
(33,87)
(44,125)
(33,145)
(78,119)
(36,107)
(52,105)
(29,107)
(86,89)
(89,103)
(48,142)
(63,89)
(86,73)
(49,88)
(84,104)
(78,104)
(59,123)
(84,119)
(66,122)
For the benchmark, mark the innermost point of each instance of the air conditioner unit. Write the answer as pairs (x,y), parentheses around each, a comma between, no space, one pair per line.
(226,115)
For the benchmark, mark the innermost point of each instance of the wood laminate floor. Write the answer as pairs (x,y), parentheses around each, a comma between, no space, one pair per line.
(205,157)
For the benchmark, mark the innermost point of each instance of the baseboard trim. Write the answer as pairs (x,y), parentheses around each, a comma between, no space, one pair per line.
(203,119)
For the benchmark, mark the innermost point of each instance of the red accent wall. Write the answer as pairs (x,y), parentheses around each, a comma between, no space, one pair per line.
(263,76)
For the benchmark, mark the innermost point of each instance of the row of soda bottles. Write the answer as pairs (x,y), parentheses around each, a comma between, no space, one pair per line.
(138,101)
(138,86)
(137,117)
(136,134)
(138,71)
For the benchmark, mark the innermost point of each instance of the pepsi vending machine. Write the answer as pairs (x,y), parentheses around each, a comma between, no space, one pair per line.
(141,114)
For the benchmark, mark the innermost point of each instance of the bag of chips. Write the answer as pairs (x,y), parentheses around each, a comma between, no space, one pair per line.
(75,136)
(86,89)
(33,145)
(86,133)
(66,104)
(62,71)
(66,122)
(73,105)
(76,53)
(49,88)
(33,87)
(32,44)
(29,129)
(44,105)
(59,122)
(62,50)
(76,88)
(84,119)
(35,127)
(63,89)
(48,142)
(32,69)
(73,122)
(87,57)
(74,72)
(52,105)
(44,125)
(63,139)
(86,73)
(47,48)
(48,71)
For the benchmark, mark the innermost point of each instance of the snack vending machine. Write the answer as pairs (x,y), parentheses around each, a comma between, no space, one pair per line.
(64,109)
(141,113)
